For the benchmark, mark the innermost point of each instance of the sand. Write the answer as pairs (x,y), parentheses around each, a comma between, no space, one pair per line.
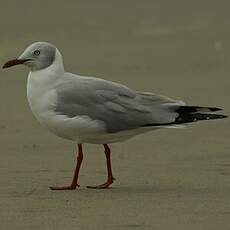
(167,179)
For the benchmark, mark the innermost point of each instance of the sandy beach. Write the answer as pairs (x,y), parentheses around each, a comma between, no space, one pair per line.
(167,179)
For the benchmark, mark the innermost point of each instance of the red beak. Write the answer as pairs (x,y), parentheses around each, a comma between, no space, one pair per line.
(14,62)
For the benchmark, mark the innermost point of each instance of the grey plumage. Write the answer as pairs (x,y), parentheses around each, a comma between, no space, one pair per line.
(117,106)
(40,55)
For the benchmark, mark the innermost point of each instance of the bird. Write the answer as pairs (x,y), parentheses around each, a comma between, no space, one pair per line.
(92,110)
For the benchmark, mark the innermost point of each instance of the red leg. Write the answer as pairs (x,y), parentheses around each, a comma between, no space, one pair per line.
(110,177)
(76,172)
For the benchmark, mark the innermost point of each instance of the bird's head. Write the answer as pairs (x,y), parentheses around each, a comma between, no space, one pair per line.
(37,56)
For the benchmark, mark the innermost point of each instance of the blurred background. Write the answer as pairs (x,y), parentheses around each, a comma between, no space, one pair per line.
(176,178)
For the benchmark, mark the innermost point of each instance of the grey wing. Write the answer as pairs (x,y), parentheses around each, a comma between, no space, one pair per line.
(117,106)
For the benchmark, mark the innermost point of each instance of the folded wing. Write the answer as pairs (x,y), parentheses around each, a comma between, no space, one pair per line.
(117,106)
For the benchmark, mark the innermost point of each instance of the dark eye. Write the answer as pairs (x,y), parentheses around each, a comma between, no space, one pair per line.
(36,52)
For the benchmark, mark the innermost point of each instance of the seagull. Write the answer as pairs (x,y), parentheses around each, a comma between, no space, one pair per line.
(93,110)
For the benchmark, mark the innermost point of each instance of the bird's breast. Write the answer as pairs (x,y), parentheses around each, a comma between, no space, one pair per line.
(41,97)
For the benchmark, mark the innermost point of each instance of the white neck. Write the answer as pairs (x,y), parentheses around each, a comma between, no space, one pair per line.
(57,65)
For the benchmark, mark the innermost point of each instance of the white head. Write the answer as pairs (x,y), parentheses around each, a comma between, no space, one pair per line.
(37,56)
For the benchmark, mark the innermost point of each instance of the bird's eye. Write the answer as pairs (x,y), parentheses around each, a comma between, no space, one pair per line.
(36,52)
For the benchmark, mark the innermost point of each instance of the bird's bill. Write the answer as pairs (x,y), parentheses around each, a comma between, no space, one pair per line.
(14,62)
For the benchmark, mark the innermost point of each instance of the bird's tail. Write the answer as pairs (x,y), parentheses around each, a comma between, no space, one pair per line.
(188,114)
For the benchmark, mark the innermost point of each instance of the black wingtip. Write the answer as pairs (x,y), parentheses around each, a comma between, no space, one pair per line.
(194,109)
(223,116)
(213,109)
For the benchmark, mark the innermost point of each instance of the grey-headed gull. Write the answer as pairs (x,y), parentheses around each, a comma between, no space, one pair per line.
(93,110)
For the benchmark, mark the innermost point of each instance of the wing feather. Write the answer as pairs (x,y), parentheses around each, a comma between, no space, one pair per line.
(117,106)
